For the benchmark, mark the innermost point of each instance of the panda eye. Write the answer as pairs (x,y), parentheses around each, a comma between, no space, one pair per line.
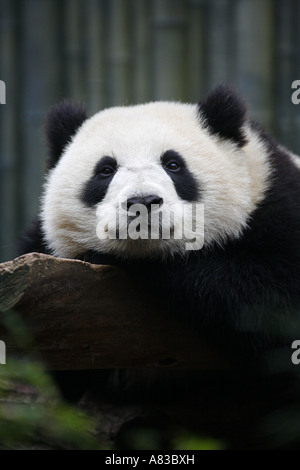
(172,166)
(106,171)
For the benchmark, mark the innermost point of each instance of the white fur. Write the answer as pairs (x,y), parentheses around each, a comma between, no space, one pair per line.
(233,180)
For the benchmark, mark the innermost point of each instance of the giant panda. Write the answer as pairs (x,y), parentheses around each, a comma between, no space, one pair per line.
(242,286)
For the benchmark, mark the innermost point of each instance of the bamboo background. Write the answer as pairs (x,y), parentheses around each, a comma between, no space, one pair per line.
(114,52)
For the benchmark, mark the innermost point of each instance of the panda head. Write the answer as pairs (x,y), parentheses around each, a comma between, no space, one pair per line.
(164,156)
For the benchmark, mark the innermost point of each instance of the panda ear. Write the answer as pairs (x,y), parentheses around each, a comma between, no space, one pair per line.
(62,122)
(224,113)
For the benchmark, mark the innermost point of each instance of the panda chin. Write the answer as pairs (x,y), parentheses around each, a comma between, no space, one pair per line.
(145,249)
(122,251)
(144,241)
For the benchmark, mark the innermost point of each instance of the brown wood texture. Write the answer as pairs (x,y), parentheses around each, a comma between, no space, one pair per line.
(84,316)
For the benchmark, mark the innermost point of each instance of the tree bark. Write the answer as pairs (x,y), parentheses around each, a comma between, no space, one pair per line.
(84,316)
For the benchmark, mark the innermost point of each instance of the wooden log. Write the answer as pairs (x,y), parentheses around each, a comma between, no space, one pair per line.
(85,316)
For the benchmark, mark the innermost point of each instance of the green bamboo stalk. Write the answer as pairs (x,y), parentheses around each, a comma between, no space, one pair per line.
(296,75)
(196,77)
(95,52)
(220,48)
(119,53)
(283,69)
(141,58)
(254,49)
(8,135)
(74,52)
(40,82)
(169,23)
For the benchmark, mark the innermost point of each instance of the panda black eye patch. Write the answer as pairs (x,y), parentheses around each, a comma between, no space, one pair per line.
(96,187)
(107,166)
(184,181)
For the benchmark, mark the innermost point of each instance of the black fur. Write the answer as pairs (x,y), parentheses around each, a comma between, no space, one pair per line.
(32,239)
(97,186)
(184,181)
(63,121)
(224,113)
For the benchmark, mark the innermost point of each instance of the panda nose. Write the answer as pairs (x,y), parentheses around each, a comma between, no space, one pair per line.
(145,200)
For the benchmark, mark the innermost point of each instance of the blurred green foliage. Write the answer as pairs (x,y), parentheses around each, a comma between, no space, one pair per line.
(149,438)
(32,413)
(33,416)
(187,441)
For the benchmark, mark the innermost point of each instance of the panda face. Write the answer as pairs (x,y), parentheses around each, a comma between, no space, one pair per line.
(159,153)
